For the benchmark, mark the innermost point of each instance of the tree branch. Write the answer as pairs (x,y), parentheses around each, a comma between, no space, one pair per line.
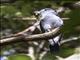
(36,37)
(33,18)
(28,30)
(70,5)
(70,39)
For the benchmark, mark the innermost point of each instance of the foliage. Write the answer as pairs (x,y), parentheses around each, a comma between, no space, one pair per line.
(23,8)
(19,57)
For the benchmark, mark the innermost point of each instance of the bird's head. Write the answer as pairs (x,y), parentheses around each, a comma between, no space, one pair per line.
(36,14)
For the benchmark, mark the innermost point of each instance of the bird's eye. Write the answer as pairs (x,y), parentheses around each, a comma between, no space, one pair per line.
(40,16)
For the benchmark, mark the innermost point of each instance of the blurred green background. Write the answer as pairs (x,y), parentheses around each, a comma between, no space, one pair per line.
(11,9)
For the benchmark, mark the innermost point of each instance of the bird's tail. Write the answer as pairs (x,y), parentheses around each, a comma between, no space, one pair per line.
(55,43)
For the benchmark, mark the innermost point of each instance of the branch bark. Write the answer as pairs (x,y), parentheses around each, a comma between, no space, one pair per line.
(34,19)
(28,30)
(70,39)
(70,5)
(36,37)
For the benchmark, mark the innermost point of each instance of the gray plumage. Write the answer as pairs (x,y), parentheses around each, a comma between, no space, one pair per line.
(48,21)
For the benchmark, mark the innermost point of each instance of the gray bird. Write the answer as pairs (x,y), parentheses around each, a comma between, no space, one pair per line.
(49,20)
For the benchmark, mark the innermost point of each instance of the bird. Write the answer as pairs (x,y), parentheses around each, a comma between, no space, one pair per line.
(49,20)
